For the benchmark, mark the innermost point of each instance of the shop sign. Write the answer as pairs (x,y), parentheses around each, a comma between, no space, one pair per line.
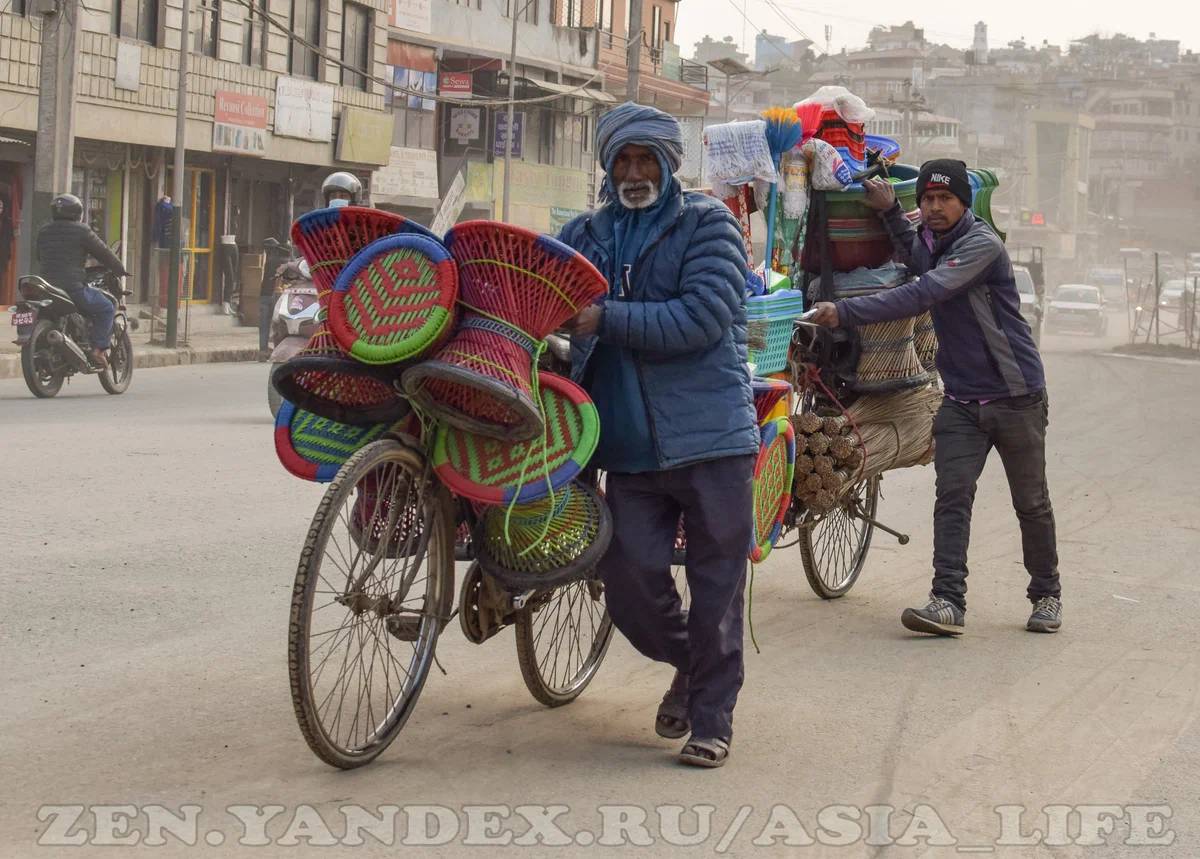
(559,217)
(409,172)
(542,186)
(240,123)
(303,109)
(479,182)
(451,206)
(457,84)
(501,127)
(464,124)
(415,15)
(364,136)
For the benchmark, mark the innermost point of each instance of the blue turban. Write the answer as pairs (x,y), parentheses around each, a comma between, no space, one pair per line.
(641,125)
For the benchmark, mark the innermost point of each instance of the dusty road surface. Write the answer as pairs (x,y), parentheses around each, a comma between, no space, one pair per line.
(150,546)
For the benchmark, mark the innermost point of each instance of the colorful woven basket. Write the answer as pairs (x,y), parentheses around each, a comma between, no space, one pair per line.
(381,494)
(773,474)
(578,533)
(767,395)
(329,238)
(495,472)
(515,287)
(315,448)
(394,301)
(321,378)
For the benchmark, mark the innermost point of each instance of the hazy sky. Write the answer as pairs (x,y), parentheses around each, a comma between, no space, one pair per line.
(944,21)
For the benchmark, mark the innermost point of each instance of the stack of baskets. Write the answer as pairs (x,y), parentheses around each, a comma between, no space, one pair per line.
(771,319)
(421,335)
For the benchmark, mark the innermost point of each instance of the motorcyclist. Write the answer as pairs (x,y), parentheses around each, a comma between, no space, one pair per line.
(342,189)
(338,189)
(63,248)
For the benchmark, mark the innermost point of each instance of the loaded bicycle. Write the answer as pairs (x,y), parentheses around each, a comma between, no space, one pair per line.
(429,402)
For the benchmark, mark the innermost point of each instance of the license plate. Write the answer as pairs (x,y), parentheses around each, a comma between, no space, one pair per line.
(297,303)
(23,318)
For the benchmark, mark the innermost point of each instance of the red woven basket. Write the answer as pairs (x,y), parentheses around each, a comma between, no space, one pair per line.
(321,378)
(515,287)
(328,238)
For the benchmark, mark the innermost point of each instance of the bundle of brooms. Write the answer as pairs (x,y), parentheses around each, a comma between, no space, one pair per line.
(877,433)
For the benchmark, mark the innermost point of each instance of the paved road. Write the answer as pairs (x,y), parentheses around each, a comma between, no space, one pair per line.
(151,544)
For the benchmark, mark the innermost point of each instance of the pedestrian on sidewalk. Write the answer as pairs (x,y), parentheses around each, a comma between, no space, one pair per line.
(994,382)
(664,360)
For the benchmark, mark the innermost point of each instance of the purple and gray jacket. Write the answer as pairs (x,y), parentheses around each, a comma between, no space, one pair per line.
(985,347)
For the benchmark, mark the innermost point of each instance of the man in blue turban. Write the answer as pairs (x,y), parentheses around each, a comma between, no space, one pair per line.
(664,359)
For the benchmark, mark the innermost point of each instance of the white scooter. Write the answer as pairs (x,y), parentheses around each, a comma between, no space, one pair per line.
(293,320)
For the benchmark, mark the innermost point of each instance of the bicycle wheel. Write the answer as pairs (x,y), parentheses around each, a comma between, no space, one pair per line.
(373,588)
(562,637)
(834,546)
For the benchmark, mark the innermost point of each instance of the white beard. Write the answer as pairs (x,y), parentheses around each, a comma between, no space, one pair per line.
(625,187)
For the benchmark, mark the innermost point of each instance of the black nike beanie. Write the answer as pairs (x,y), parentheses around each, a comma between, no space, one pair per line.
(948,174)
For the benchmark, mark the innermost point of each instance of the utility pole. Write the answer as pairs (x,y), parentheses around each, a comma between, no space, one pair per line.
(633,51)
(508,126)
(60,25)
(172,333)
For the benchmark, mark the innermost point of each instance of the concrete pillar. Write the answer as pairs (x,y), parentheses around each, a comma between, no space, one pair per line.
(60,24)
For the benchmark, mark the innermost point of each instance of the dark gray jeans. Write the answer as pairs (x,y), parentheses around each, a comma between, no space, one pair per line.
(716,499)
(965,434)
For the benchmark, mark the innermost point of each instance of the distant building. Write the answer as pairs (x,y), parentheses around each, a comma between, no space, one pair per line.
(979,47)
(707,50)
(904,36)
(771,52)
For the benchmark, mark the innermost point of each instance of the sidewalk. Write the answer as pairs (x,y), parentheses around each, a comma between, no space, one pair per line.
(234,344)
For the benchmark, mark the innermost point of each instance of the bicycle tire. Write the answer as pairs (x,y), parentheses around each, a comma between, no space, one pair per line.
(382,464)
(546,686)
(818,549)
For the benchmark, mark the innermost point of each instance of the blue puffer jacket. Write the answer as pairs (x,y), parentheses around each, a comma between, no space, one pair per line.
(685,321)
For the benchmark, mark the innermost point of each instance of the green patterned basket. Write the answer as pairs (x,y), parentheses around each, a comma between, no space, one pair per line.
(549,542)
(394,301)
(491,471)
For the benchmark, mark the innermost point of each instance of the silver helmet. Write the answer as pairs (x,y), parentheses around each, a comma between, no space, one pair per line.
(342,189)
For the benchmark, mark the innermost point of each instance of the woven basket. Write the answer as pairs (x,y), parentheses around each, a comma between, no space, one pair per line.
(925,341)
(315,448)
(495,472)
(767,395)
(321,378)
(580,528)
(329,238)
(515,287)
(888,358)
(394,301)
(375,502)
(773,474)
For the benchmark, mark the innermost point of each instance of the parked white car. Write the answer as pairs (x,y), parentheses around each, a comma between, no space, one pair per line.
(1031,305)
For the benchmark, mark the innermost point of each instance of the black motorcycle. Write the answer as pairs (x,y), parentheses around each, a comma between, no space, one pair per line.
(53,335)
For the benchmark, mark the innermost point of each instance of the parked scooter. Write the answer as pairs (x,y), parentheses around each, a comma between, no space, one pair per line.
(293,320)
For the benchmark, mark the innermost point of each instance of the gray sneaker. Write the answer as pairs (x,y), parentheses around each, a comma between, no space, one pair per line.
(1047,615)
(938,617)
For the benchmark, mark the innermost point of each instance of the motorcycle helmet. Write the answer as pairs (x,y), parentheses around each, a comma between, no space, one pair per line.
(342,189)
(67,207)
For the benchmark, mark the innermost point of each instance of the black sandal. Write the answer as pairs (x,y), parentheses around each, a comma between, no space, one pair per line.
(672,721)
(708,752)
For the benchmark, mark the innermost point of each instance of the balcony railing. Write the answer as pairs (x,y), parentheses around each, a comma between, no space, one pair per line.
(663,62)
